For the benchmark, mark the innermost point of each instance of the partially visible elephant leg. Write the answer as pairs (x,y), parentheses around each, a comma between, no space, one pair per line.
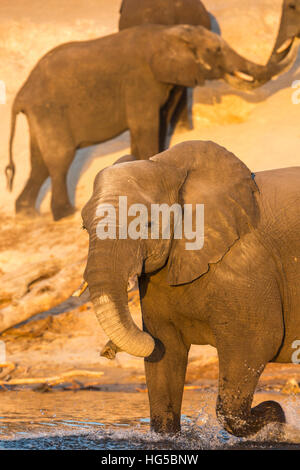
(168,117)
(174,113)
(240,366)
(145,137)
(58,152)
(165,378)
(143,121)
(182,118)
(60,202)
(164,138)
(25,203)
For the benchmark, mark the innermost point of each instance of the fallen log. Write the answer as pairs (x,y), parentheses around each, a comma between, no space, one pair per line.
(52,380)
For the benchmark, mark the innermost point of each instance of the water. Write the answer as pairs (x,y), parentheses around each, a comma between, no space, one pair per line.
(119,420)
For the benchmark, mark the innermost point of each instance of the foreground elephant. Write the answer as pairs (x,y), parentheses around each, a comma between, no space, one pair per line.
(289,29)
(239,293)
(167,12)
(84,93)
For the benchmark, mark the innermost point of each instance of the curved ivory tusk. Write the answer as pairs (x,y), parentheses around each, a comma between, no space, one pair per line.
(82,288)
(204,64)
(243,76)
(284,46)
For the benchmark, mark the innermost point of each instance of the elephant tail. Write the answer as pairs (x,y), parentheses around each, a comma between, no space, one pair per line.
(10,169)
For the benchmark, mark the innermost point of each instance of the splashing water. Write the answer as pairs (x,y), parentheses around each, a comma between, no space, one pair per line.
(119,420)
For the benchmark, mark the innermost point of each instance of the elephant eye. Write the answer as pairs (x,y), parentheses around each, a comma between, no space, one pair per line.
(292,6)
(83,227)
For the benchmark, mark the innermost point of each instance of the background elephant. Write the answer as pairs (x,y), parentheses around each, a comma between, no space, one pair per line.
(239,293)
(289,29)
(168,12)
(84,93)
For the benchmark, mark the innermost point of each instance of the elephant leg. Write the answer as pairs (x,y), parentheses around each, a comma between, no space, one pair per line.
(240,366)
(165,379)
(143,120)
(145,138)
(169,116)
(60,202)
(164,139)
(25,203)
(166,117)
(174,112)
(58,151)
(181,117)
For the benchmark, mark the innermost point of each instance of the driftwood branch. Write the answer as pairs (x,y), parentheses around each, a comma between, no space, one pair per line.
(36,289)
(52,380)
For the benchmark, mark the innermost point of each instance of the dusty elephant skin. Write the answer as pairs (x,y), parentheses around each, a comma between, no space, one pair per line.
(83,93)
(240,293)
(167,12)
(289,29)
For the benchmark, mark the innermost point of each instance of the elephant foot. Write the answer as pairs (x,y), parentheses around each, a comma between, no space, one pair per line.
(268,412)
(166,425)
(26,211)
(243,426)
(62,212)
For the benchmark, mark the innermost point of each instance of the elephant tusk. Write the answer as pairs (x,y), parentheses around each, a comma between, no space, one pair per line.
(275,77)
(284,46)
(80,290)
(243,76)
(204,64)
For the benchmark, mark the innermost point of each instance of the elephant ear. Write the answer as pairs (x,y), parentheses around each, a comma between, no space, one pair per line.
(225,186)
(174,60)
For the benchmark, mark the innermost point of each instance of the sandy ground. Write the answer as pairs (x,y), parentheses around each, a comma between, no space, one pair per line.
(261,128)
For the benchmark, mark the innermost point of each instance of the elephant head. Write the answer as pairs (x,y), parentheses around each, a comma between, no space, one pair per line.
(187,174)
(189,55)
(289,29)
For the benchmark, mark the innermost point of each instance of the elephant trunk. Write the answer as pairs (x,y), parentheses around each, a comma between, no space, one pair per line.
(247,75)
(288,30)
(110,300)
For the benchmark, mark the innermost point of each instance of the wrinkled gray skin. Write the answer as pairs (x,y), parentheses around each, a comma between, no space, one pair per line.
(289,29)
(84,93)
(240,293)
(167,12)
